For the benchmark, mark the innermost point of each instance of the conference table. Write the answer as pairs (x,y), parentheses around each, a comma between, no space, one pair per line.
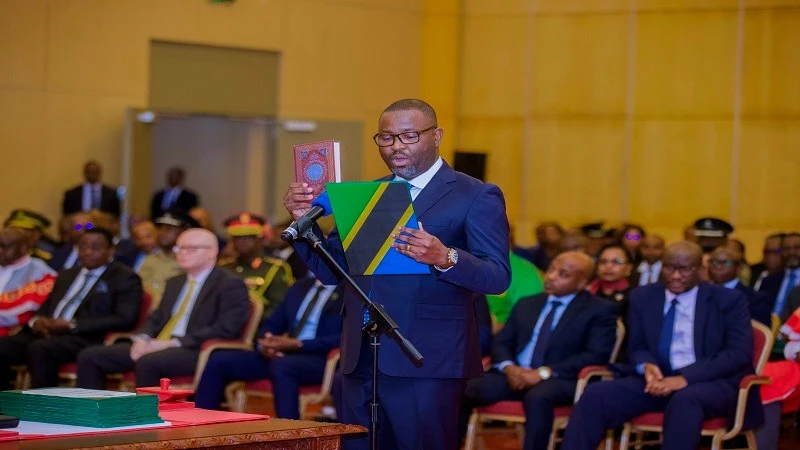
(281,434)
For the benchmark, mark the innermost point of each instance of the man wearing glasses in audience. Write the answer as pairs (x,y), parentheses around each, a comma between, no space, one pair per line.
(690,345)
(207,302)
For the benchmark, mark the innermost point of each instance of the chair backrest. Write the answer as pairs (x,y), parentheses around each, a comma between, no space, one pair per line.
(762,345)
(330,369)
(253,319)
(144,309)
(775,323)
(618,343)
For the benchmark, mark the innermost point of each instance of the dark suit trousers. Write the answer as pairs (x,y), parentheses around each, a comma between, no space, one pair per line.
(287,375)
(609,404)
(96,362)
(538,401)
(415,413)
(43,356)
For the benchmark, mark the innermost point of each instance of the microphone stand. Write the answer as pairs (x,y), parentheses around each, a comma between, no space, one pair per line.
(379,323)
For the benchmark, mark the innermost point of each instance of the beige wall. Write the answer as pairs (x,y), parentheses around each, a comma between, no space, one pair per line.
(656,111)
(69,68)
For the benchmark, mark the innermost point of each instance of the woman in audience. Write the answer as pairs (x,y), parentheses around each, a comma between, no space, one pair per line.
(614,265)
(631,236)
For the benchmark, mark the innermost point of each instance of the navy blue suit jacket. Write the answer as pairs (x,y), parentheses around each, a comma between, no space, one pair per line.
(771,287)
(584,335)
(723,337)
(434,311)
(329,329)
(758,303)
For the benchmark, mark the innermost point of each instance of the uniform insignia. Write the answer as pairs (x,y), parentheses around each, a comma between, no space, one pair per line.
(256,263)
(244,218)
(239,269)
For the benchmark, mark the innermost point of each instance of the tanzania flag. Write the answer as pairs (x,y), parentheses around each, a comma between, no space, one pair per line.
(366,215)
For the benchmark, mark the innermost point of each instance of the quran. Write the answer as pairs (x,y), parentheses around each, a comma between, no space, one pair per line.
(317,163)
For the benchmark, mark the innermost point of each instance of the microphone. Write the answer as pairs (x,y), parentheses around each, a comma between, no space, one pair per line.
(321,206)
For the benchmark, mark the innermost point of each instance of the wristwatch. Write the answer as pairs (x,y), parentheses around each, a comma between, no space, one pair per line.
(452,259)
(544,373)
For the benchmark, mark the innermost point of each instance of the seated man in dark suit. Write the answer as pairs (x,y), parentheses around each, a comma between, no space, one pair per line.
(545,343)
(690,345)
(175,195)
(205,303)
(724,269)
(771,262)
(91,194)
(778,286)
(295,341)
(85,304)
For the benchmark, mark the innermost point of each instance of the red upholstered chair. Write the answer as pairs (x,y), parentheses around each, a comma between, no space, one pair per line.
(513,410)
(68,373)
(717,427)
(245,342)
(238,392)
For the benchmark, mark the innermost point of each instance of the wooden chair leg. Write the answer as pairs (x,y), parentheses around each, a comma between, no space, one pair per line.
(472,431)
(609,440)
(240,400)
(716,442)
(520,429)
(624,439)
(751,440)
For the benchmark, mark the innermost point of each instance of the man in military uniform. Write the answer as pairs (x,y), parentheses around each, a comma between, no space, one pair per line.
(265,276)
(33,225)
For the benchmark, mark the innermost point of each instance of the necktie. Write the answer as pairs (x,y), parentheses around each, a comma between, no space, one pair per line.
(166,203)
(95,197)
(307,313)
(77,298)
(781,301)
(166,332)
(544,334)
(665,341)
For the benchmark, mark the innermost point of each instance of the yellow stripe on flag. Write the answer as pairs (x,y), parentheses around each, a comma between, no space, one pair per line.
(388,243)
(364,214)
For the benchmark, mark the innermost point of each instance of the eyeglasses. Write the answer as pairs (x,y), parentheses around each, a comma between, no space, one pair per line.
(718,263)
(189,248)
(632,236)
(615,261)
(683,270)
(407,137)
(84,226)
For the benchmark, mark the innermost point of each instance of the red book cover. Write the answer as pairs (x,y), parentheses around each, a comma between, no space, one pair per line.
(317,163)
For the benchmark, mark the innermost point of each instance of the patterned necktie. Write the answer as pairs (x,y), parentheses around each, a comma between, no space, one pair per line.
(781,302)
(537,358)
(307,313)
(665,341)
(166,332)
(88,281)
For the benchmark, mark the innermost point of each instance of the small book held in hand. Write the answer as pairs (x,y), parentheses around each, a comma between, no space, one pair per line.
(317,163)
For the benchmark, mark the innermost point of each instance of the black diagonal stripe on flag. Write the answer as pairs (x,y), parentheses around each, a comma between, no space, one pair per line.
(380,223)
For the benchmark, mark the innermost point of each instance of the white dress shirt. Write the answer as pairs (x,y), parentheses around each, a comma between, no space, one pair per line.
(309,330)
(419,182)
(649,274)
(682,352)
(68,311)
(90,190)
(199,280)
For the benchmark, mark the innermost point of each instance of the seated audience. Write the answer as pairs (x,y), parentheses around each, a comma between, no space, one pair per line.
(724,269)
(86,303)
(266,277)
(649,270)
(744,268)
(206,303)
(526,280)
(611,283)
(574,241)
(632,237)
(711,232)
(33,225)
(91,194)
(66,256)
(291,350)
(778,286)
(690,344)
(25,281)
(596,238)
(771,262)
(545,343)
(274,246)
(158,267)
(174,196)
(548,238)
(143,242)
(203,218)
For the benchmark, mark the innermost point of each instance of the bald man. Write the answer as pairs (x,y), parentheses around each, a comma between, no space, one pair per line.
(204,303)
(545,343)
(690,345)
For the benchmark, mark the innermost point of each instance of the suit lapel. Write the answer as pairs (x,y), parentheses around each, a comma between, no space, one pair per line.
(530,321)
(654,320)
(437,188)
(55,298)
(202,296)
(700,317)
(107,274)
(575,306)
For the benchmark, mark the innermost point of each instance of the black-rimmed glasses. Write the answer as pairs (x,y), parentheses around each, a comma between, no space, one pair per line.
(406,137)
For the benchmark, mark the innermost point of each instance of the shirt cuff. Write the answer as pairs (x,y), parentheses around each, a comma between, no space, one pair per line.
(640,368)
(140,337)
(502,365)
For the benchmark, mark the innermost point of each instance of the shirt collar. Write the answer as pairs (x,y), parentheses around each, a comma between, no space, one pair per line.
(201,277)
(689,295)
(565,300)
(644,266)
(731,284)
(422,180)
(96,272)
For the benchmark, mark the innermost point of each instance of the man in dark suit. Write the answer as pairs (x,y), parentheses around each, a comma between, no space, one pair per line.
(291,352)
(724,269)
(205,303)
(771,262)
(778,286)
(463,238)
(690,345)
(175,195)
(545,343)
(85,304)
(92,194)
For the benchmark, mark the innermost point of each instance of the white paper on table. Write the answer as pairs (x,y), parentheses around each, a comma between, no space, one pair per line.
(56,429)
(78,393)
